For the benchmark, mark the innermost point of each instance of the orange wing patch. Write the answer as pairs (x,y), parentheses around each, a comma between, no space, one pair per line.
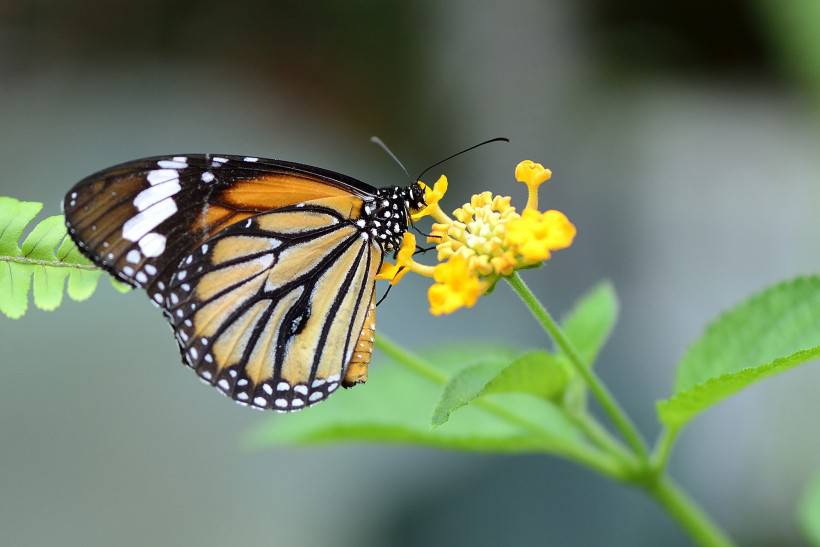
(279,190)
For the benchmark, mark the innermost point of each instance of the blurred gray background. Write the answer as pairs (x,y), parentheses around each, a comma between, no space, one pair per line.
(683,140)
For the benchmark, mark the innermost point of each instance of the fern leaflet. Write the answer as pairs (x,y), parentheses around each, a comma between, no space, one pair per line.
(47,263)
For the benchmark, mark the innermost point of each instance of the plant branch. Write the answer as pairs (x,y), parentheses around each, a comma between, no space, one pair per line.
(47,263)
(663,449)
(690,517)
(598,389)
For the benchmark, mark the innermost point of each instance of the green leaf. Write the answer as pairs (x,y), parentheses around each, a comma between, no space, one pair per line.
(462,388)
(588,326)
(15,280)
(14,217)
(44,238)
(537,373)
(591,320)
(771,332)
(82,284)
(809,511)
(393,408)
(42,263)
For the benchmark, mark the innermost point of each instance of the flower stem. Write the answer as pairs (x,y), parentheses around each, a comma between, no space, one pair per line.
(606,464)
(691,517)
(598,389)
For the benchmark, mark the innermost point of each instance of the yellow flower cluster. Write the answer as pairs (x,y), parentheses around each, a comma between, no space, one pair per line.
(487,239)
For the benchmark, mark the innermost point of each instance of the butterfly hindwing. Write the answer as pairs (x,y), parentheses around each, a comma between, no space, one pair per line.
(271,309)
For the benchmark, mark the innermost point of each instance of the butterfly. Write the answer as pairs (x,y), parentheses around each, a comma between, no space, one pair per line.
(265,269)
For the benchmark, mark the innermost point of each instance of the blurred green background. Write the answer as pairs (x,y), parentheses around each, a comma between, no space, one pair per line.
(683,138)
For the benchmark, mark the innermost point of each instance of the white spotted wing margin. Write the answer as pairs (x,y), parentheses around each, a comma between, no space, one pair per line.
(269,310)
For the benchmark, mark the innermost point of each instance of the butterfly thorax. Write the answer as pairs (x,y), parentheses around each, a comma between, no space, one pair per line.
(386,217)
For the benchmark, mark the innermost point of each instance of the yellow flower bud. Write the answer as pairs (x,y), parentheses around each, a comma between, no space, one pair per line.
(533,175)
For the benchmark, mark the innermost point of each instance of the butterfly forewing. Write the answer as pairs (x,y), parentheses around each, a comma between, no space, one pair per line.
(138,219)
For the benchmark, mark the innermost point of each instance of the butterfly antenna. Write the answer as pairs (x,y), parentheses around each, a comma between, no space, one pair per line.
(380,143)
(497,139)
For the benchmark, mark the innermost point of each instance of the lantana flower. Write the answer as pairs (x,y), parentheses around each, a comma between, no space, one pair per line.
(487,239)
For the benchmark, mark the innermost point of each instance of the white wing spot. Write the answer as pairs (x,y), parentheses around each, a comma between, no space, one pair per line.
(145,221)
(155,194)
(251,159)
(316,395)
(282,386)
(207,176)
(152,245)
(158,176)
(260,401)
(301,389)
(133,256)
(172,164)
(281,403)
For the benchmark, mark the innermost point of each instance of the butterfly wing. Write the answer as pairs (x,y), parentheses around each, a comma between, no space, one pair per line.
(271,309)
(138,219)
(258,265)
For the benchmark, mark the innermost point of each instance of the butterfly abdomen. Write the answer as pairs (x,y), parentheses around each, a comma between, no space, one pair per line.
(356,372)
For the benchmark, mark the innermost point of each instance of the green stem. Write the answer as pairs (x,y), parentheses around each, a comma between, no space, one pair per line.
(663,450)
(598,389)
(602,438)
(47,263)
(602,462)
(686,512)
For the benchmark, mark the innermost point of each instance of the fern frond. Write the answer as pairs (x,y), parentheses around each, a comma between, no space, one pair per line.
(46,264)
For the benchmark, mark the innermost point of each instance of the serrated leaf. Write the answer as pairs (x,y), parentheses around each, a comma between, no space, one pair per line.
(537,373)
(391,408)
(769,333)
(591,320)
(808,511)
(462,388)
